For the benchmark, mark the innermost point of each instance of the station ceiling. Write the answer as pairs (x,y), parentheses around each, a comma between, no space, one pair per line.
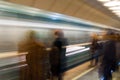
(91,10)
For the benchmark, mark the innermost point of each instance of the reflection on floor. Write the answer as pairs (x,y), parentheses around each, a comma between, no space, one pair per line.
(72,73)
(93,75)
(84,72)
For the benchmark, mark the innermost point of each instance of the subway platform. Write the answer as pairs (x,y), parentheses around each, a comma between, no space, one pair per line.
(84,72)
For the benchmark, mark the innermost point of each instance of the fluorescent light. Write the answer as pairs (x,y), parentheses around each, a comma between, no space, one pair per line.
(103,0)
(115,11)
(115,8)
(112,3)
(117,14)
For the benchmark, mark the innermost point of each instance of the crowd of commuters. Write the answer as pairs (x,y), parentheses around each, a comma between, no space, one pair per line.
(108,54)
(45,64)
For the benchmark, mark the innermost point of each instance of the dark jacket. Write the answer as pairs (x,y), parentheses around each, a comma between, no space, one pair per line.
(59,43)
(109,51)
(118,51)
(109,55)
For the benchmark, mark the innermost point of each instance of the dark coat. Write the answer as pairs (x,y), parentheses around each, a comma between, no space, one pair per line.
(118,51)
(55,61)
(109,51)
(59,43)
(108,62)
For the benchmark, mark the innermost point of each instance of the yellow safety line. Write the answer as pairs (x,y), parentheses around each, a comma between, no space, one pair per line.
(82,74)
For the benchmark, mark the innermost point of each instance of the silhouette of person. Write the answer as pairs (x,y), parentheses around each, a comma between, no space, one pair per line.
(59,45)
(36,59)
(108,63)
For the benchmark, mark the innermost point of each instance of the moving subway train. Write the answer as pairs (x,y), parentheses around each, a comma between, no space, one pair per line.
(16,20)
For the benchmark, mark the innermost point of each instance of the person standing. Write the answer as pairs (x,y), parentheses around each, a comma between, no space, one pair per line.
(108,63)
(95,50)
(37,58)
(59,45)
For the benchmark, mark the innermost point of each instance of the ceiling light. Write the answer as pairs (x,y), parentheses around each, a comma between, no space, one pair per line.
(116,11)
(117,14)
(115,8)
(104,0)
(112,3)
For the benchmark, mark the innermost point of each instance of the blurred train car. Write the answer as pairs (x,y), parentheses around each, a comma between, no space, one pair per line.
(16,20)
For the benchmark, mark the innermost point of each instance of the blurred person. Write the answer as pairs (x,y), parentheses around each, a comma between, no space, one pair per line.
(55,63)
(95,49)
(59,44)
(118,48)
(37,58)
(108,63)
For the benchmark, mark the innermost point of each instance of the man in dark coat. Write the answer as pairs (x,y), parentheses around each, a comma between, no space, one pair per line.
(108,63)
(60,42)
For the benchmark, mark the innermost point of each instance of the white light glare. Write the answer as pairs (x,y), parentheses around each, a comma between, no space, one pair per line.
(77,52)
(70,49)
(103,0)
(115,8)
(112,3)
(118,14)
(55,16)
(116,11)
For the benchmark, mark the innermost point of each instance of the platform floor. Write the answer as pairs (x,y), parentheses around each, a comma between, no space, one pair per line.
(73,73)
(93,75)
(84,72)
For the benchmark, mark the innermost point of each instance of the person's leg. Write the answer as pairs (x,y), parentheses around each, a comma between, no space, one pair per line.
(60,77)
(107,73)
(92,60)
(96,60)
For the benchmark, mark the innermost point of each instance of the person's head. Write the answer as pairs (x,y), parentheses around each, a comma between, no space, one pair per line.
(94,35)
(110,32)
(110,35)
(31,34)
(58,33)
